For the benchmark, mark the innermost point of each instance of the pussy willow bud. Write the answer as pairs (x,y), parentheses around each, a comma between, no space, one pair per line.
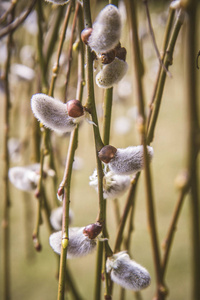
(128,160)
(113,185)
(79,244)
(126,272)
(106,30)
(56,218)
(55,114)
(24,178)
(85,34)
(58,2)
(92,230)
(111,73)
(107,153)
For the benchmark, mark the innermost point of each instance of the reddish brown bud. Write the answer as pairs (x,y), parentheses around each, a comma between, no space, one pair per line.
(75,108)
(108,57)
(37,194)
(92,230)
(60,191)
(107,153)
(85,34)
(38,247)
(121,53)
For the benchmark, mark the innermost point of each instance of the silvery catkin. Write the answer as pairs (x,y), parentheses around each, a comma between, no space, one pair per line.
(79,244)
(106,30)
(53,113)
(111,73)
(125,161)
(126,272)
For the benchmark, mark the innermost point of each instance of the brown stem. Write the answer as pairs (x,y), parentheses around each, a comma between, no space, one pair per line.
(18,21)
(69,56)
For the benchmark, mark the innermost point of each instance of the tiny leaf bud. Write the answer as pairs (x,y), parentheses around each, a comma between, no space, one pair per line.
(75,108)
(92,230)
(85,34)
(107,153)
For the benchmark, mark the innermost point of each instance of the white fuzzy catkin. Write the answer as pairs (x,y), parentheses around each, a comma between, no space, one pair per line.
(24,178)
(106,30)
(58,2)
(113,185)
(79,244)
(129,160)
(56,218)
(53,113)
(111,73)
(127,273)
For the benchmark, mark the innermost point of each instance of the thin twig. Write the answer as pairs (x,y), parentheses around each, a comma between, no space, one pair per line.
(18,21)
(161,83)
(60,46)
(69,56)
(193,144)
(8,11)
(164,48)
(6,195)
(154,39)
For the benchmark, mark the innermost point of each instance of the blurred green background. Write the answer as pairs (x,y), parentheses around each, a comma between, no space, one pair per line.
(33,274)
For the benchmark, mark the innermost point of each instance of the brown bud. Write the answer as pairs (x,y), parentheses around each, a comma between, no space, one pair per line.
(107,153)
(121,53)
(92,230)
(60,191)
(38,247)
(85,34)
(75,108)
(108,57)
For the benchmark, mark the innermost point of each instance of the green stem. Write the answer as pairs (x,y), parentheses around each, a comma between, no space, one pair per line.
(193,145)
(66,181)
(54,34)
(69,56)
(163,52)
(18,21)
(60,46)
(6,194)
(129,203)
(161,83)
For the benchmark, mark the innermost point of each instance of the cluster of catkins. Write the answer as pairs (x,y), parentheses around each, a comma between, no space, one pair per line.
(119,164)
(104,40)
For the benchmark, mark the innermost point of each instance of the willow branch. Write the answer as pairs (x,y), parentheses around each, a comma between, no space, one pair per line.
(8,11)
(164,48)
(193,145)
(18,21)
(69,56)
(66,181)
(161,83)
(153,38)
(6,194)
(55,69)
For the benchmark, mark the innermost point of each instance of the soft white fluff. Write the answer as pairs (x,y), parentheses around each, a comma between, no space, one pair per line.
(111,73)
(58,2)
(106,30)
(24,178)
(129,160)
(79,244)
(127,273)
(113,185)
(52,113)
(56,218)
